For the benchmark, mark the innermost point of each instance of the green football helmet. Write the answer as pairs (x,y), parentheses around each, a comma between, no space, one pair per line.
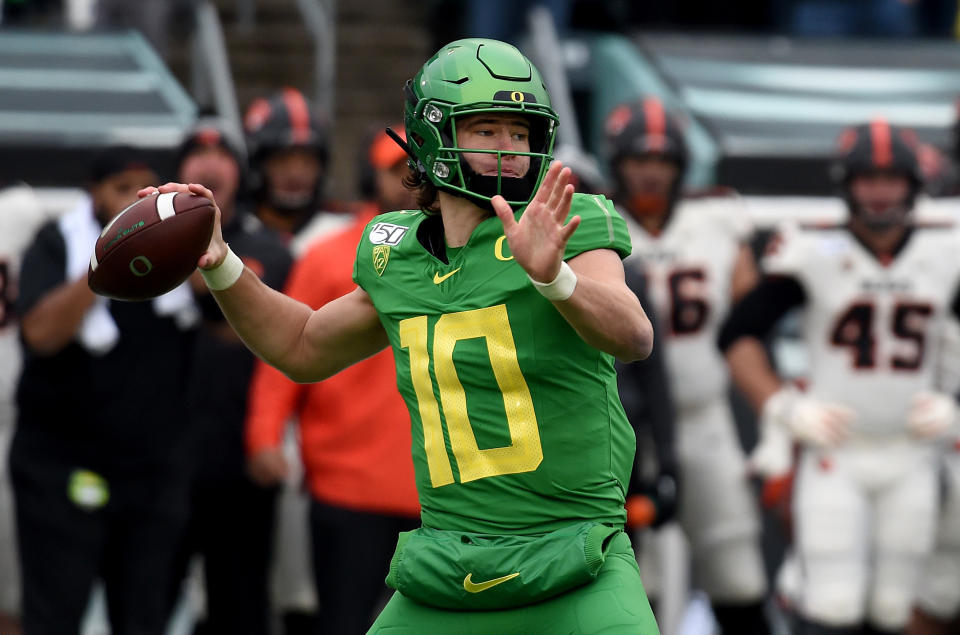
(465,78)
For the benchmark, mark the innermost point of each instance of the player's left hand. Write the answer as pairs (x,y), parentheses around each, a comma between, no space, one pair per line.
(932,415)
(537,241)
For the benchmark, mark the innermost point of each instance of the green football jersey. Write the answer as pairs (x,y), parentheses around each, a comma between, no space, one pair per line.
(517,425)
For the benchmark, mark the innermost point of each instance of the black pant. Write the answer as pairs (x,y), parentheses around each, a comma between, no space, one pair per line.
(232,528)
(351,557)
(130,543)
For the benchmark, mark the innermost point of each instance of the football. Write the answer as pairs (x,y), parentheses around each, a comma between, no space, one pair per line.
(151,246)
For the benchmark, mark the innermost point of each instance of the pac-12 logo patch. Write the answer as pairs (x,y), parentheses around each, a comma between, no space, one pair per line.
(381,254)
(387,234)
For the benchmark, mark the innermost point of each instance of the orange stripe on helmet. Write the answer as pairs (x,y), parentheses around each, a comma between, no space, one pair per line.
(656,120)
(882,143)
(299,115)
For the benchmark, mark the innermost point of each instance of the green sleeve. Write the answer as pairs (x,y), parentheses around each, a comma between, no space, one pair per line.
(601,227)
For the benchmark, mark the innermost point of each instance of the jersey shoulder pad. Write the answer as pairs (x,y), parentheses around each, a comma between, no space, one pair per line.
(725,213)
(601,226)
(386,235)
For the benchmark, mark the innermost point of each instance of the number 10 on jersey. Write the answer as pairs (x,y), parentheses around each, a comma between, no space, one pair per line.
(491,324)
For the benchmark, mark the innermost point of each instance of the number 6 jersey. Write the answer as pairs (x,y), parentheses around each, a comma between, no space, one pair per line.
(689,270)
(870,324)
(517,425)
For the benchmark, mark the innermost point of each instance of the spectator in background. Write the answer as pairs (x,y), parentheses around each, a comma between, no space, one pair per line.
(361,482)
(289,141)
(97,460)
(232,518)
(20,216)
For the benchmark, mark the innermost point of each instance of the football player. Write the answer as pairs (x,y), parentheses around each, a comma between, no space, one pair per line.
(875,293)
(504,301)
(694,255)
(288,141)
(936,609)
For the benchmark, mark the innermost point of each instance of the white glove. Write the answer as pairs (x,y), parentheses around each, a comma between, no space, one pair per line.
(932,415)
(773,454)
(808,420)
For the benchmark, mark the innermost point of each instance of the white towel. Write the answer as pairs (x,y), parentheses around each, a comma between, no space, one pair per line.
(99,332)
(80,230)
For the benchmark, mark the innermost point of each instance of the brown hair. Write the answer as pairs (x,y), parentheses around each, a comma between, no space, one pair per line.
(426,191)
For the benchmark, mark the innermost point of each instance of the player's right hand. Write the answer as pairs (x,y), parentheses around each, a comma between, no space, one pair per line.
(809,420)
(268,467)
(932,415)
(216,251)
(538,240)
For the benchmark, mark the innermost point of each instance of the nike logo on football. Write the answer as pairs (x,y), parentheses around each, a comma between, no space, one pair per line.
(437,278)
(476,587)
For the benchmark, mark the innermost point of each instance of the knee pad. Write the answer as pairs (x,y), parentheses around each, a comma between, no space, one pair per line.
(890,607)
(938,592)
(732,572)
(834,605)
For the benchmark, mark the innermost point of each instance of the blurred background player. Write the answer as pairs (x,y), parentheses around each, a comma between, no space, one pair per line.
(875,294)
(936,608)
(20,216)
(98,466)
(232,517)
(694,256)
(288,143)
(288,140)
(354,427)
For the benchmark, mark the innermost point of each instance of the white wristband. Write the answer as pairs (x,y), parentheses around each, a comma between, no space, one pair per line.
(562,286)
(225,274)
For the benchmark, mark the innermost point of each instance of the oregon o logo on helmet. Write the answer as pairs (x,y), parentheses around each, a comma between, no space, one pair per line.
(141,266)
(516,96)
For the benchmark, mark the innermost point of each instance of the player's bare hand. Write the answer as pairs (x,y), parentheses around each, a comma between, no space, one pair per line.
(806,419)
(268,467)
(932,415)
(821,424)
(537,241)
(217,249)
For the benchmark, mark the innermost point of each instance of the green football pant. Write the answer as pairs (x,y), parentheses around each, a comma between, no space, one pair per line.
(613,604)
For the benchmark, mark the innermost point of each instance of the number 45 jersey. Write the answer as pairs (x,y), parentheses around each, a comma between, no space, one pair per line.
(871,325)
(517,425)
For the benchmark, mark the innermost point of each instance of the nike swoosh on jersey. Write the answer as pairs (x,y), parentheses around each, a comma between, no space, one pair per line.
(437,278)
(476,587)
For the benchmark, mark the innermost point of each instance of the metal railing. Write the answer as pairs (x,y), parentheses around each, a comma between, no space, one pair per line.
(320,19)
(211,76)
(547,53)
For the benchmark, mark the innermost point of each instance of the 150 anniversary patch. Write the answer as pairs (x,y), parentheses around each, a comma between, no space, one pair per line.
(387,234)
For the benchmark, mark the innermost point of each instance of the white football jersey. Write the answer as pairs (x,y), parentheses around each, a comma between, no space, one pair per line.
(689,271)
(871,328)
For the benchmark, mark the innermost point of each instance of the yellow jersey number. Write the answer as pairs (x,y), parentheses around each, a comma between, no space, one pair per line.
(524,453)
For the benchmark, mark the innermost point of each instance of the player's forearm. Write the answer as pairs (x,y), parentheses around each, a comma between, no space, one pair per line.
(269,323)
(609,317)
(751,371)
(54,321)
(303,344)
